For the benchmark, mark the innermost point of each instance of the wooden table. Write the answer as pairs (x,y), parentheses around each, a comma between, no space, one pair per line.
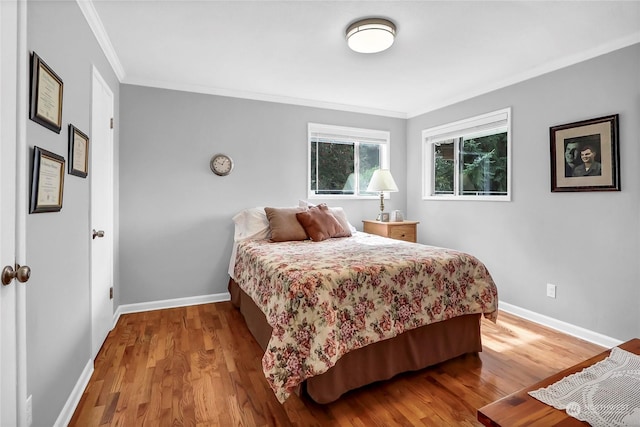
(520,409)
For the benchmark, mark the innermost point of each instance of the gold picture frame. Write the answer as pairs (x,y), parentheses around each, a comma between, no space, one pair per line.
(47,181)
(78,152)
(46,95)
(585,155)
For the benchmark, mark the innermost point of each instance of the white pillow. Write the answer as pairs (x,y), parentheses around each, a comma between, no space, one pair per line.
(251,223)
(341,216)
(338,212)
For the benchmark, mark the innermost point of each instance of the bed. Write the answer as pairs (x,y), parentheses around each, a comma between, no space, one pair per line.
(338,313)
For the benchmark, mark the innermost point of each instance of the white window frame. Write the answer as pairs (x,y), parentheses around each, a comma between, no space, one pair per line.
(473,125)
(348,135)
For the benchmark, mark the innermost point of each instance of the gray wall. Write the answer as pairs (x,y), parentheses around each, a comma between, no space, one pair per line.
(58,294)
(585,243)
(176,230)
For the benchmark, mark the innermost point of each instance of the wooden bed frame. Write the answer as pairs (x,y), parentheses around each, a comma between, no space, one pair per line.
(411,351)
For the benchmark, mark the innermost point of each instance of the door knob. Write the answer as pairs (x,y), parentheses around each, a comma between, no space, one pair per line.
(21,273)
(99,233)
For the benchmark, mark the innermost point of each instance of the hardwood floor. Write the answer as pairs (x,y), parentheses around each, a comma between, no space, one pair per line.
(199,366)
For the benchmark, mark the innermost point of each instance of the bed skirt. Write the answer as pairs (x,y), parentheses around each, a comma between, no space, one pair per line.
(410,351)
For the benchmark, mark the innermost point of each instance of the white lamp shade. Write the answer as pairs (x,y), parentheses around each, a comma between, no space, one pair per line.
(371,35)
(382,181)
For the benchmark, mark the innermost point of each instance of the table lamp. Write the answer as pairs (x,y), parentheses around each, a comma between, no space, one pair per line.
(382,181)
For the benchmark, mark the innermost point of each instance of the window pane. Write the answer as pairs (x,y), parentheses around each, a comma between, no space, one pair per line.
(444,167)
(342,160)
(369,159)
(483,165)
(331,166)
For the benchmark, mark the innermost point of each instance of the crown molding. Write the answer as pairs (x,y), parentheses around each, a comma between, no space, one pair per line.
(95,23)
(231,93)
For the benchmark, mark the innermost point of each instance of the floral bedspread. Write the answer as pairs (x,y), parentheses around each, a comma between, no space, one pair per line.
(324,299)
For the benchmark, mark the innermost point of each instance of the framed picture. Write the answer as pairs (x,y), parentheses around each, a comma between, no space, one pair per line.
(585,155)
(47,181)
(78,152)
(46,95)
(384,216)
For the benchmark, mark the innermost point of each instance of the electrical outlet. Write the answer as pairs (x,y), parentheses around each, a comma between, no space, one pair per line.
(551,290)
(29,409)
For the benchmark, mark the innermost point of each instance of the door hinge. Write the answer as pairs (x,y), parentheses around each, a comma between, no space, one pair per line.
(111,292)
(111,123)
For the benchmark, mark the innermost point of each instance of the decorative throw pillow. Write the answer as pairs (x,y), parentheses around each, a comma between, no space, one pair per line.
(338,212)
(319,223)
(284,225)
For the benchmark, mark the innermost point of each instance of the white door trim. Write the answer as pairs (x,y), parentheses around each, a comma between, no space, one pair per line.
(8,100)
(14,109)
(22,177)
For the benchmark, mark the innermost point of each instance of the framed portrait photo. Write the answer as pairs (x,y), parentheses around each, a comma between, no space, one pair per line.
(46,95)
(47,181)
(78,152)
(585,155)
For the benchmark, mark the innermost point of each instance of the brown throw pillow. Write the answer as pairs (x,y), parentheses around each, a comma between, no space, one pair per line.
(319,223)
(284,225)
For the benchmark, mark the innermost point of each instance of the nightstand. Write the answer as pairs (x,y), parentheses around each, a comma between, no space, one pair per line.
(404,230)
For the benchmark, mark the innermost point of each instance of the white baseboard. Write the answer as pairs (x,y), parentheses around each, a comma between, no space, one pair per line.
(567,328)
(168,303)
(74,398)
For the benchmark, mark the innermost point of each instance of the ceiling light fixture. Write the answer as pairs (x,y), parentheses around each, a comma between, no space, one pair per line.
(371,35)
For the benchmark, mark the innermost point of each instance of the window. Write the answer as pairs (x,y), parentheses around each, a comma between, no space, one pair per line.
(469,159)
(342,160)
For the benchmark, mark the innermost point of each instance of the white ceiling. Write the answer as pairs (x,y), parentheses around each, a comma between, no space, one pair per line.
(295,51)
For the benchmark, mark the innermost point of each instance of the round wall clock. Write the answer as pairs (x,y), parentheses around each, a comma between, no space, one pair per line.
(221,164)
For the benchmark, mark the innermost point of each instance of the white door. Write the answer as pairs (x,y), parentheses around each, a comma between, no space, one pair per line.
(101,174)
(8,105)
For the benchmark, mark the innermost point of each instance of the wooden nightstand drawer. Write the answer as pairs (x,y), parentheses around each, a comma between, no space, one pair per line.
(404,230)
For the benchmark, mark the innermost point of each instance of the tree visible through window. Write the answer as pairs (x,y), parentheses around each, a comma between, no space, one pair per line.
(483,161)
(332,167)
(342,160)
(444,167)
(469,159)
